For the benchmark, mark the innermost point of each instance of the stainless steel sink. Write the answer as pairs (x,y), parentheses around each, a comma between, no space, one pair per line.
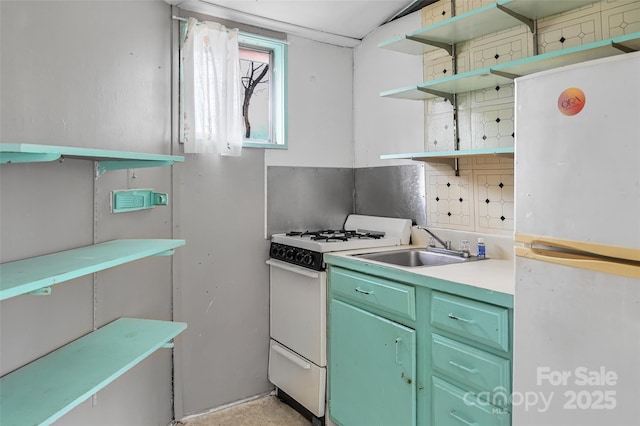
(414,258)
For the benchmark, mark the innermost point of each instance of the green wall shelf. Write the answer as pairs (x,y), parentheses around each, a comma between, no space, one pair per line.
(107,160)
(44,390)
(450,157)
(491,18)
(505,73)
(36,274)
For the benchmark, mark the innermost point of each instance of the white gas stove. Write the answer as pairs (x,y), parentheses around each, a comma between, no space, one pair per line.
(298,302)
(305,248)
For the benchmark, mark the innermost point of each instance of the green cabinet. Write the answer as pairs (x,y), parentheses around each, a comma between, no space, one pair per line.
(453,406)
(401,351)
(471,367)
(372,362)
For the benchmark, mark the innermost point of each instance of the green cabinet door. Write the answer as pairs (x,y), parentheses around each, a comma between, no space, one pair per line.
(372,369)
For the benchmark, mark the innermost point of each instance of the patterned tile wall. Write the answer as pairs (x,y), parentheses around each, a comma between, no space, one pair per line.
(450,202)
(481,198)
(494,200)
(620,19)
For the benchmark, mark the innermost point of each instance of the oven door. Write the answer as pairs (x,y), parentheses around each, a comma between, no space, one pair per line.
(298,310)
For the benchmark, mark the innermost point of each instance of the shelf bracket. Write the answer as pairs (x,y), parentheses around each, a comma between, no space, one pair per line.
(527,21)
(168,345)
(165,253)
(504,74)
(622,47)
(446,46)
(451,162)
(447,96)
(44,291)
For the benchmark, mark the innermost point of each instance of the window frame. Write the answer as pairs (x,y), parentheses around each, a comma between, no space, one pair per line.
(278,74)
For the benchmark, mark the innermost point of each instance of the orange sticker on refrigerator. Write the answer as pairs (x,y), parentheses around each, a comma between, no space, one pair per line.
(571,101)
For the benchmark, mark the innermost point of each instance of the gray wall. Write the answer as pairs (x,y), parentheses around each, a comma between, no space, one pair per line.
(93,74)
(221,281)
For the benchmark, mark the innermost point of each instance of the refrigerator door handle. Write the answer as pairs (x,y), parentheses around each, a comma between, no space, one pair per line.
(575,260)
(586,248)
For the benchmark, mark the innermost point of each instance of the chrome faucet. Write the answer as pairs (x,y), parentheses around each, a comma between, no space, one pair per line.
(445,244)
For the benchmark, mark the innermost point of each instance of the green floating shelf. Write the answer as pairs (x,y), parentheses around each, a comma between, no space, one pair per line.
(449,157)
(46,389)
(107,160)
(484,20)
(38,273)
(505,73)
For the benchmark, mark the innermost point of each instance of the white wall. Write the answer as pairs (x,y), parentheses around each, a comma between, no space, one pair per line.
(320,107)
(381,125)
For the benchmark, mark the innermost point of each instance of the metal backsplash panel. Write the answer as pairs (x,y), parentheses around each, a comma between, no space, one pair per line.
(394,191)
(308,198)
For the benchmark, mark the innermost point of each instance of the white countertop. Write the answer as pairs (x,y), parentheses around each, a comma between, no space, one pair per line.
(490,274)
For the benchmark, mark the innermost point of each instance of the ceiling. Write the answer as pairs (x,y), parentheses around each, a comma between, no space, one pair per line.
(341,22)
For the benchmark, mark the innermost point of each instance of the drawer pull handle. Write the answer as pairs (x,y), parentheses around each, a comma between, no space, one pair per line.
(462,367)
(455,415)
(398,340)
(457,318)
(359,290)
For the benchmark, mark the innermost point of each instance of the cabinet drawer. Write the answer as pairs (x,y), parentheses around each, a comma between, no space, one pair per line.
(482,322)
(485,374)
(455,407)
(375,292)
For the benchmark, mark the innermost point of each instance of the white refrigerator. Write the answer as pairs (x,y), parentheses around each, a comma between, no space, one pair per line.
(577,291)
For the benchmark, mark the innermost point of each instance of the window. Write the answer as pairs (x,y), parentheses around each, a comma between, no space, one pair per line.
(263,64)
(263,91)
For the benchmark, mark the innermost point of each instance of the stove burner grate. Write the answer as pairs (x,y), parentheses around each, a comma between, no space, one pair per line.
(329,235)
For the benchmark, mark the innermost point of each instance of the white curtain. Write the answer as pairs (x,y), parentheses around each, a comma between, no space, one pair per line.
(212,98)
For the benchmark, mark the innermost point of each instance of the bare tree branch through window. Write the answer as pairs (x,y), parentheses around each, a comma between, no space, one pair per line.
(256,74)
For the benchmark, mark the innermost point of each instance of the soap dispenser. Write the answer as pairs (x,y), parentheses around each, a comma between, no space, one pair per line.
(481,248)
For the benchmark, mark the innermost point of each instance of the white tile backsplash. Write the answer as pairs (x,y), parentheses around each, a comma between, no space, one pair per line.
(438,67)
(450,199)
(566,31)
(436,12)
(494,201)
(500,48)
(492,126)
(439,132)
(620,19)
(479,200)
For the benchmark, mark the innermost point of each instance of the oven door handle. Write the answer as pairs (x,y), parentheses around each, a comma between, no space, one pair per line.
(292,268)
(302,364)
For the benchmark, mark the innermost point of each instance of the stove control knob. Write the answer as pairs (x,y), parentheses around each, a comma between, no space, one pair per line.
(289,254)
(308,259)
(281,252)
(299,256)
(274,251)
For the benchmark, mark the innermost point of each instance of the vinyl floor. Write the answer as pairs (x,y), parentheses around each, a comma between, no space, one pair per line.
(266,411)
